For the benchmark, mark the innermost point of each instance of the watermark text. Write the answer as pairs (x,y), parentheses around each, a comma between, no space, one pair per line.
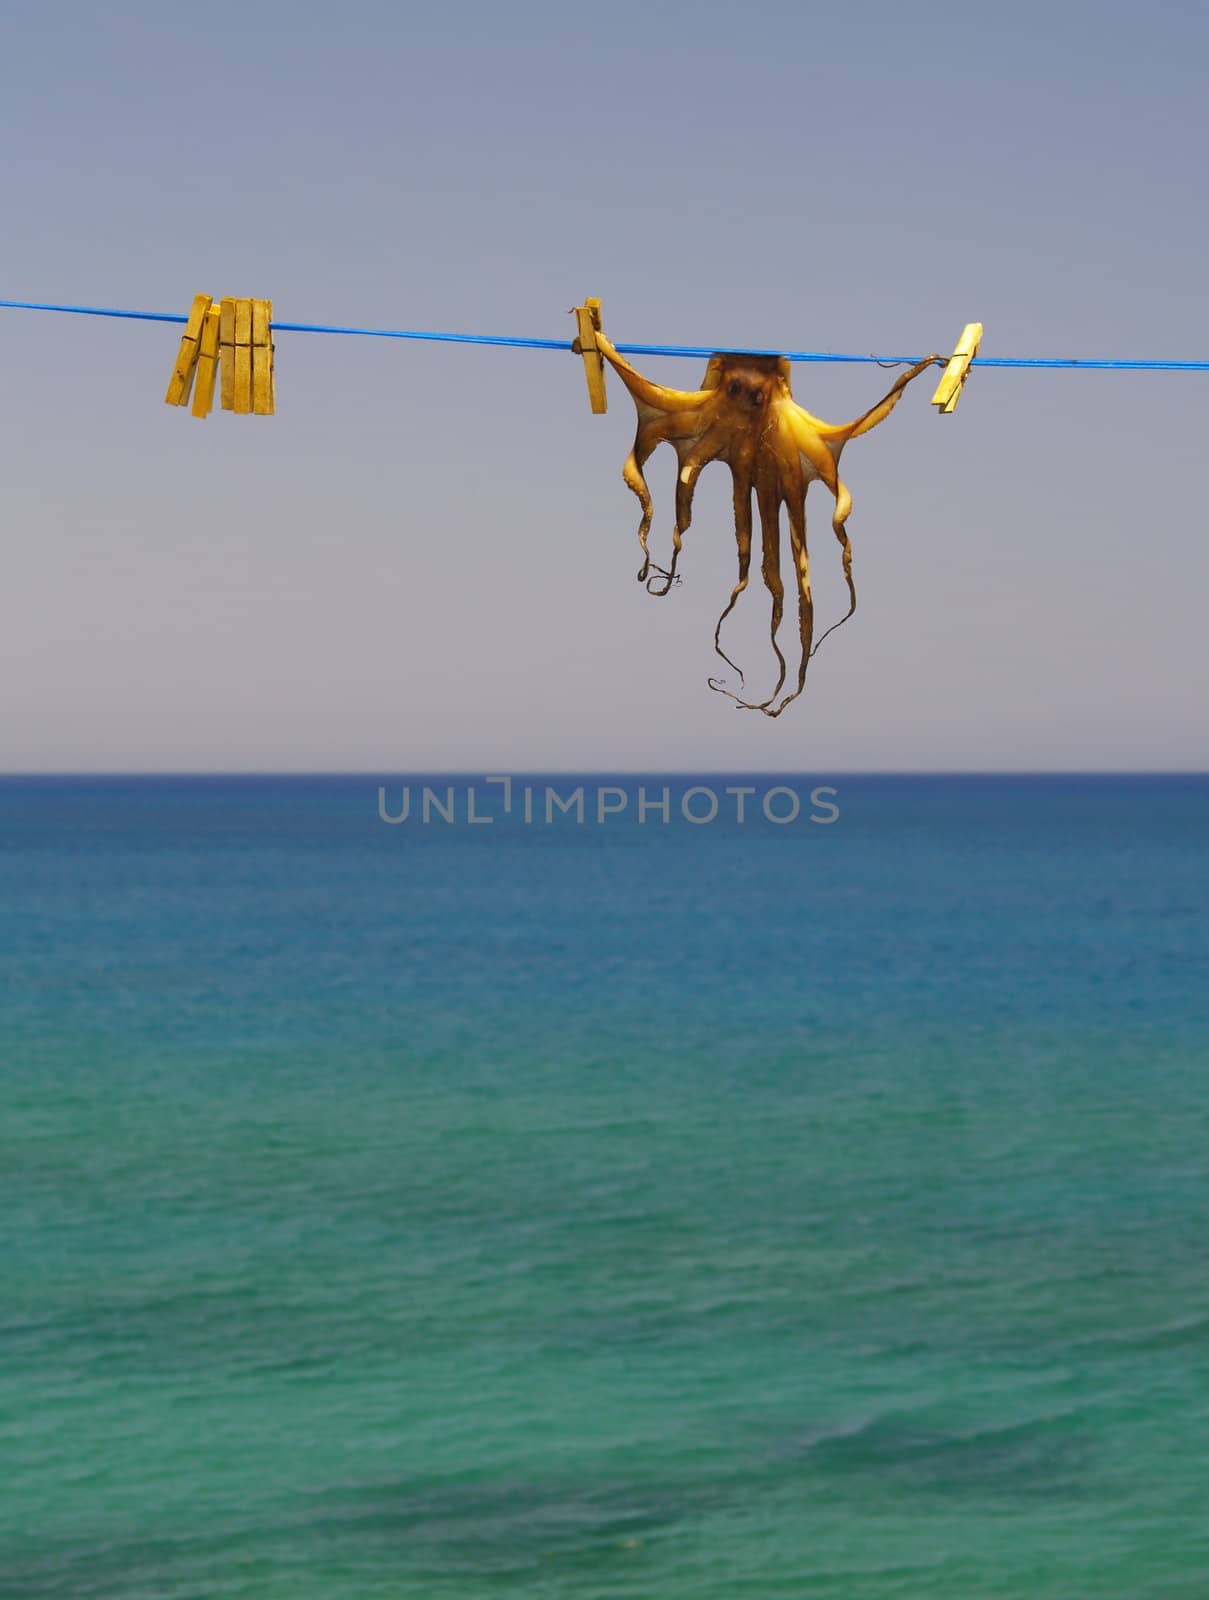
(494,799)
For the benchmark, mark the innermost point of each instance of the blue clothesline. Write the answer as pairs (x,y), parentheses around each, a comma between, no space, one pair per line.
(699,352)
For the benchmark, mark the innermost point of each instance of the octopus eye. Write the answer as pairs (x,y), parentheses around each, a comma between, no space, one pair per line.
(757,397)
(734,388)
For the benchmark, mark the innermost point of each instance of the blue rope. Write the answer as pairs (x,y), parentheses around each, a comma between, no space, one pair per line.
(698,352)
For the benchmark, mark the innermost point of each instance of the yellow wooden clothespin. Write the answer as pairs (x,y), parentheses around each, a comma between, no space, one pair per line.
(584,344)
(263,388)
(207,364)
(948,390)
(226,352)
(181,382)
(243,357)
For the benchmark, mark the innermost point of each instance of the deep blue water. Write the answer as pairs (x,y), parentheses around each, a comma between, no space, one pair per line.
(607,1209)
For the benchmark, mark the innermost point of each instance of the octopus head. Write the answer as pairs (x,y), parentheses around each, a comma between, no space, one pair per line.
(751,384)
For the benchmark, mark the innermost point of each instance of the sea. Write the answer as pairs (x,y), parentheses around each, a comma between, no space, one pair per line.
(781,1186)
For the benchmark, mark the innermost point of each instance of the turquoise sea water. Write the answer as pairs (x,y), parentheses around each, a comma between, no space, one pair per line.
(627,1211)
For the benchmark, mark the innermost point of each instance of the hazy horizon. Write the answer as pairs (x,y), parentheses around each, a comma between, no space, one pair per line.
(376,774)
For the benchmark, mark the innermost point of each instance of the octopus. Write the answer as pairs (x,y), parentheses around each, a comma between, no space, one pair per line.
(745,415)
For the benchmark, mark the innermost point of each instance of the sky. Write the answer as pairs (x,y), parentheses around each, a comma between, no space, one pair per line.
(426,560)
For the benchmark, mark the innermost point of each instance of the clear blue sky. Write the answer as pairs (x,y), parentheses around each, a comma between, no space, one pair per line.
(427,558)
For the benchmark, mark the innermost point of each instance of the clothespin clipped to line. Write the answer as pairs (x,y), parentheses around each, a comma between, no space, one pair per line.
(584,344)
(948,390)
(233,339)
(180,385)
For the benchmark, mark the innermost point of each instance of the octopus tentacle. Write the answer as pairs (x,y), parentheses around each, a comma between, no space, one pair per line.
(693,455)
(643,390)
(710,444)
(820,457)
(743,525)
(684,516)
(843,505)
(882,409)
(650,434)
(796,506)
(637,484)
(802,434)
(769,501)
